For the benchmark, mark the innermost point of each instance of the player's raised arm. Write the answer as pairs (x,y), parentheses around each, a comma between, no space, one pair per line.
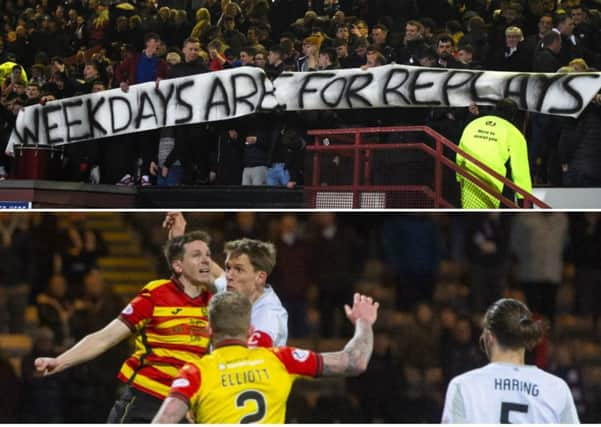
(88,348)
(172,411)
(353,359)
(175,224)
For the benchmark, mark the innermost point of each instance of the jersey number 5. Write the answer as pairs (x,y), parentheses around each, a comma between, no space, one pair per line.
(507,407)
(257,416)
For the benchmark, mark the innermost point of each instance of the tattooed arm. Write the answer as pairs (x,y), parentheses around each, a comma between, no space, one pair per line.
(172,411)
(353,359)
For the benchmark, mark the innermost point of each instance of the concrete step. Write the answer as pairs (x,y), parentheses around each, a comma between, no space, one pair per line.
(117,236)
(124,249)
(127,290)
(100,221)
(141,277)
(133,262)
(15,344)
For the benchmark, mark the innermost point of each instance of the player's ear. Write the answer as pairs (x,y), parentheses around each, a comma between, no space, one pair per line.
(261,276)
(176,266)
(210,330)
(250,332)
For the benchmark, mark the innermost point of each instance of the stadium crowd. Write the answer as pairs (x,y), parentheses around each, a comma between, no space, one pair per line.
(51,49)
(433,274)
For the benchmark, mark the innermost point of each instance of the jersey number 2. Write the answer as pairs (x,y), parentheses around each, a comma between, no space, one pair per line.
(507,407)
(261,407)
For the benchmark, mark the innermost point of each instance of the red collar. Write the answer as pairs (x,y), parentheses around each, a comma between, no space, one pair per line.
(177,283)
(179,286)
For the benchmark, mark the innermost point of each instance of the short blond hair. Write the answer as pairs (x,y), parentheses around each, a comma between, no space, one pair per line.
(229,315)
(514,31)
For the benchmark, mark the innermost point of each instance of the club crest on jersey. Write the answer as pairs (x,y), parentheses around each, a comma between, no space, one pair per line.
(180,382)
(300,355)
(128,309)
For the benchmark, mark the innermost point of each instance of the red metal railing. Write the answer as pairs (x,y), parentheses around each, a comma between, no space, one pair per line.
(352,141)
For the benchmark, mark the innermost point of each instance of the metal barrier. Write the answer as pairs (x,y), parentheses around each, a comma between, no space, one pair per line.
(351,144)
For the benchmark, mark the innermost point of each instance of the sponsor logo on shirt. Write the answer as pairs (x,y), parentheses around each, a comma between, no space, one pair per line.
(300,355)
(180,382)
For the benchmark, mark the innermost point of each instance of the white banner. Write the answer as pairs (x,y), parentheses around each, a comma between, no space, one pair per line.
(242,91)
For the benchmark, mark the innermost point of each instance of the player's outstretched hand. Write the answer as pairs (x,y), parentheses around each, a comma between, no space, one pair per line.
(363,307)
(46,365)
(175,223)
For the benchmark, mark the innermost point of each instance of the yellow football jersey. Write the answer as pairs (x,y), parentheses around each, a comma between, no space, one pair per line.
(239,385)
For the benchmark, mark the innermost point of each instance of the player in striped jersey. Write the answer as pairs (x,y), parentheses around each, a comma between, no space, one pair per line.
(506,390)
(248,263)
(240,384)
(170,320)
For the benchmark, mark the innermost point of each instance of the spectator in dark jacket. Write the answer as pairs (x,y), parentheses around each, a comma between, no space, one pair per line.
(285,158)
(580,148)
(477,38)
(275,63)
(571,47)
(255,159)
(230,152)
(546,58)
(514,57)
(583,29)
(191,142)
(444,48)
(545,24)
(413,42)
(145,66)
(544,129)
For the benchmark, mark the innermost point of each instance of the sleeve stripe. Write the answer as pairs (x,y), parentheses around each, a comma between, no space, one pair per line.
(127,323)
(319,365)
(180,396)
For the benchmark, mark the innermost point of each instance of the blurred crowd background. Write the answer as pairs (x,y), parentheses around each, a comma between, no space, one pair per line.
(52,49)
(64,275)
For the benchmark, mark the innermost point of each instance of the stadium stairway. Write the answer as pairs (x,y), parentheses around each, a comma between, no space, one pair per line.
(15,347)
(126,268)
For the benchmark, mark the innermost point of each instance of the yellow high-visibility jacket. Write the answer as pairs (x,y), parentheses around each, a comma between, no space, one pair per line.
(495,142)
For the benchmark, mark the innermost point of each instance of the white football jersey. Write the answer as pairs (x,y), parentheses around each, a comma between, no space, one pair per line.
(508,393)
(268,316)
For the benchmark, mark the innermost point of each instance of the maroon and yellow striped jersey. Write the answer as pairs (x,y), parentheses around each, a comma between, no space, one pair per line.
(171,330)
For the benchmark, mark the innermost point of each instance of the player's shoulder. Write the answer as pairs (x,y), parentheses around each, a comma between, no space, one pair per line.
(191,369)
(155,285)
(258,353)
(471,376)
(290,353)
(549,378)
(270,301)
